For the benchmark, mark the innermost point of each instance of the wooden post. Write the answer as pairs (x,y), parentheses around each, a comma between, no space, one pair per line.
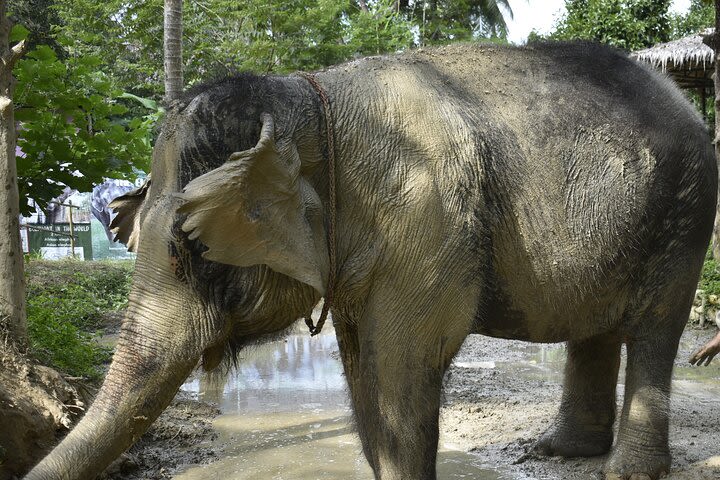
(72,229)
(716,49)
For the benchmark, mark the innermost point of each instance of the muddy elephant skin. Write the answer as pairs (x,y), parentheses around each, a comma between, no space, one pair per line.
(555,192)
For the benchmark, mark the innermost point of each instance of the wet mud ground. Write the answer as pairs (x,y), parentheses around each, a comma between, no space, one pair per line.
(501,395)
(284,414)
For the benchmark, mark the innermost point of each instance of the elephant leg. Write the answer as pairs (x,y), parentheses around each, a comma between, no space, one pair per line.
(583,427)
(348,343)
(395,386)
(641,449)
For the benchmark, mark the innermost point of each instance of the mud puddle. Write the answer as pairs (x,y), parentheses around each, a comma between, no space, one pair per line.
(306,446)
(286,415)
(546,362)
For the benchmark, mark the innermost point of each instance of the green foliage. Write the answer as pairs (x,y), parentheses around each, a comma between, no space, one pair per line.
(710,277)
(220,37)
(67,302)
(626,24)
(74,129)
(56,342)
(378,30)
(18,33)
(125,35)
(457,20)
(83,296)
(37,17)
(700,16)
(273,36)
(706,304)
(282,36)
(33,255)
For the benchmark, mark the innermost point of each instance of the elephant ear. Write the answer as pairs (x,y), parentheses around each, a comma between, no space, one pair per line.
(258,209)
(126,224)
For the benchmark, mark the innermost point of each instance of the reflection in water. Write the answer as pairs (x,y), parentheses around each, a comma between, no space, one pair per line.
(286,415)
(544,361)
(289,375)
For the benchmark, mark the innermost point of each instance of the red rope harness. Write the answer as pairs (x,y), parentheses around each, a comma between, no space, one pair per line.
(330,293)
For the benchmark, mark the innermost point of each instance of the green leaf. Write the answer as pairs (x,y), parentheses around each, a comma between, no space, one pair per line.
(18,33)
(43,53)
(26,114)
(145,102)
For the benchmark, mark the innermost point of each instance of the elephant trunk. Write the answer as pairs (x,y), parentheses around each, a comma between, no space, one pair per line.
(150,363)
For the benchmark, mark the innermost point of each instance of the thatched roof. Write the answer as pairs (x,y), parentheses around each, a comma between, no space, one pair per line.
(688,60)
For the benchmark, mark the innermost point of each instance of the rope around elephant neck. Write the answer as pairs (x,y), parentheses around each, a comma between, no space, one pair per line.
(330,291)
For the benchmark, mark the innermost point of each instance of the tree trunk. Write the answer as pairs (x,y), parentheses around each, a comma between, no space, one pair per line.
(716,48)
(12,279)
(173,50)
(35,402)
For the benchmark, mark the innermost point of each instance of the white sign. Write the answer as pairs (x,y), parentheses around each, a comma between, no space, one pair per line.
(24,239)
(56,253)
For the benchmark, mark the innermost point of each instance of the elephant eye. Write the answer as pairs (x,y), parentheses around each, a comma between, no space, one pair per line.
(176,254)
(254,213)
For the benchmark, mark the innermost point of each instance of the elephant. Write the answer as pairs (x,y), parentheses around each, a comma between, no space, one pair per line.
(556,192)
(100,199)
(54,211)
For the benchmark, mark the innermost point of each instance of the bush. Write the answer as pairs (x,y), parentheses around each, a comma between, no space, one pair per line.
(66,305)
(706,306)
(710,278)
(56,342)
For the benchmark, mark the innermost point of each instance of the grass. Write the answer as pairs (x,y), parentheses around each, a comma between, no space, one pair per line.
(66,305)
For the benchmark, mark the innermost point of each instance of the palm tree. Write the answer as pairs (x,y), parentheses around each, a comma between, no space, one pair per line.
(491,14)
(173,50)
(442,21)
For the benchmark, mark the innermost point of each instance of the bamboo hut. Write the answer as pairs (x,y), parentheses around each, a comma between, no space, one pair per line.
(688,60)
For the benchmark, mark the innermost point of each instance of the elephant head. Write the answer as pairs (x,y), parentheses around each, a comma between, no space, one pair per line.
(230,244)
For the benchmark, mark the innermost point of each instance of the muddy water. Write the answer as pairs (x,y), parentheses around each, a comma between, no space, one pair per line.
(547,361)
(286,415)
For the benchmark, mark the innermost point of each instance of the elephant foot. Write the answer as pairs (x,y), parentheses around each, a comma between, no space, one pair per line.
(624,466)
(574,441)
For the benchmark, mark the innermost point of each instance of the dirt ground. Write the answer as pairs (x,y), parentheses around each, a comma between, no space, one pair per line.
(175,441)
(35,403)
(499,397)
(497,403)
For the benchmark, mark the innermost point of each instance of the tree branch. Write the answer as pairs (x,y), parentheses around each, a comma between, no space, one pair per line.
(17,52)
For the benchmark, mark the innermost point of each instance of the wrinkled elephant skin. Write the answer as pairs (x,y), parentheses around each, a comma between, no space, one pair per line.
(550,193)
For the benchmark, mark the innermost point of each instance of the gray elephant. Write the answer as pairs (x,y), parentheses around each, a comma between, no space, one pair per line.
(100,200)
(558,192)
